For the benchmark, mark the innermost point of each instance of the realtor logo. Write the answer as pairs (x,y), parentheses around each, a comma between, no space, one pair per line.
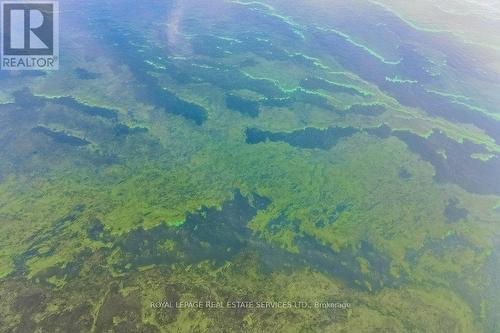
(30,35)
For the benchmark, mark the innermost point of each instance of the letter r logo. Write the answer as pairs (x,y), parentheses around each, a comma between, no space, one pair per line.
(28,28)
(17,36)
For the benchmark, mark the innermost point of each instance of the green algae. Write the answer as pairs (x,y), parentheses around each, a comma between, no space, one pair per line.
(349,39)
(138,184)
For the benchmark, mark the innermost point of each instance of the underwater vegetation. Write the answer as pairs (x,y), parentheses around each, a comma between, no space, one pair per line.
(281,166)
